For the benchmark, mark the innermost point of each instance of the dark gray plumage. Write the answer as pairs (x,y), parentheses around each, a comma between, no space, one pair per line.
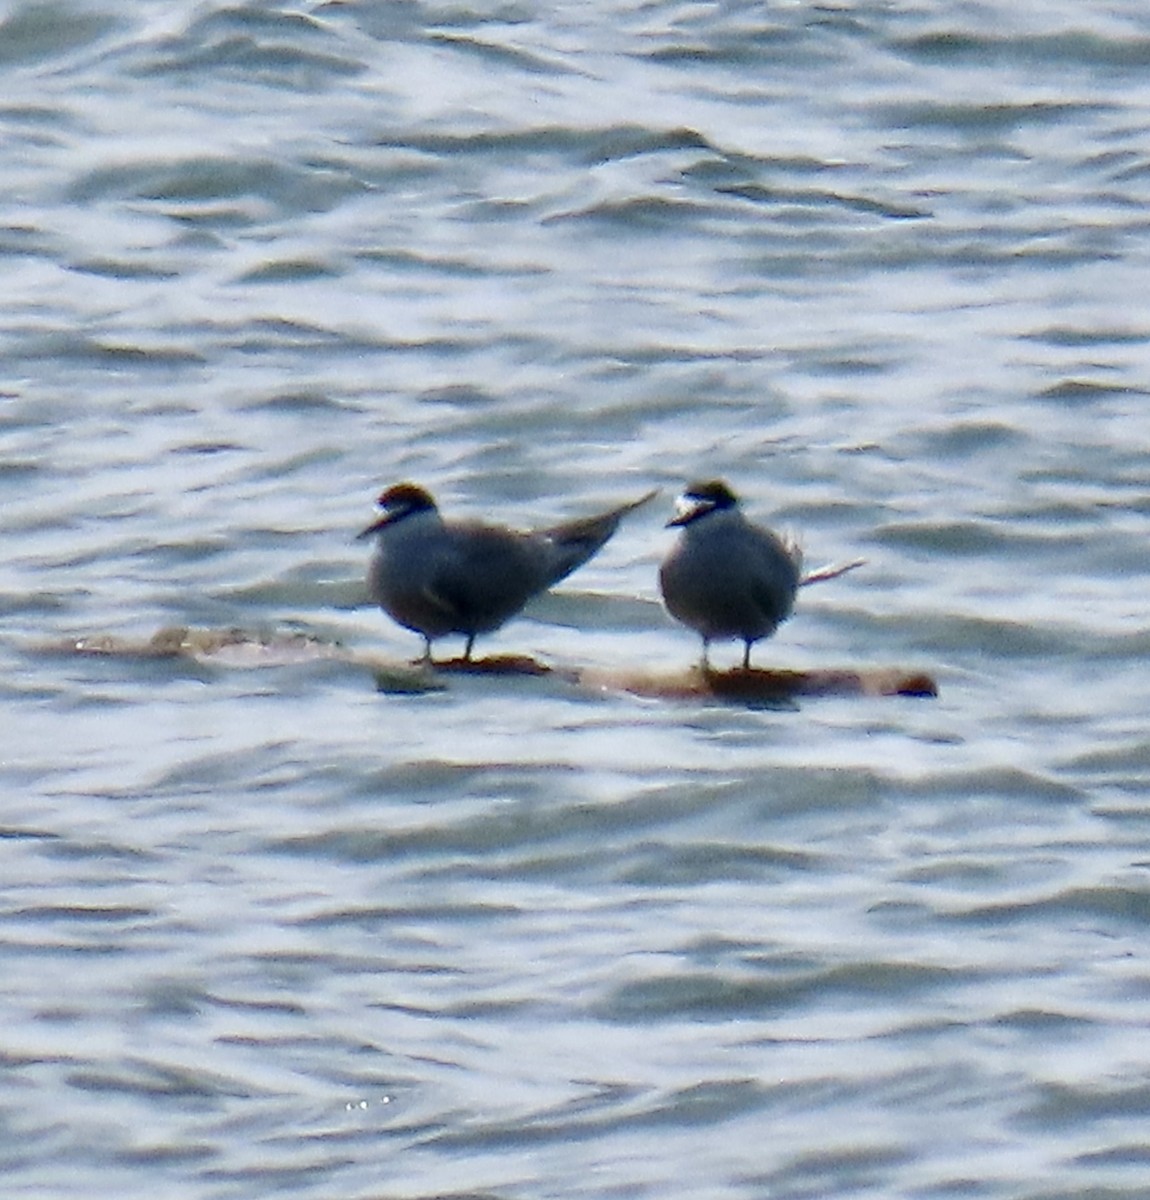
(727,578)
(437,577)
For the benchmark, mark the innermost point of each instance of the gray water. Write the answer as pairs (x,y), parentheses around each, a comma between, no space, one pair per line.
(884,267)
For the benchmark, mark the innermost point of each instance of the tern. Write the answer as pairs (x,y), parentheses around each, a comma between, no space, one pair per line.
(436,576)
(726,577)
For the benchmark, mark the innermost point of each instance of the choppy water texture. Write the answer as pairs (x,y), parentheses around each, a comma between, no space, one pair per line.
(270,932)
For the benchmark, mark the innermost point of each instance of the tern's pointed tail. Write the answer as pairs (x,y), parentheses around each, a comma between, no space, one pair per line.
(574,542)
(831,572)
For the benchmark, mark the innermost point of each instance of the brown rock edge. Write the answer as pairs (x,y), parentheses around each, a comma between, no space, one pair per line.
(757,684)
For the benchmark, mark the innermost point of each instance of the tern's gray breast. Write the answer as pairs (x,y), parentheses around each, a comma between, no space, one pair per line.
(727,578)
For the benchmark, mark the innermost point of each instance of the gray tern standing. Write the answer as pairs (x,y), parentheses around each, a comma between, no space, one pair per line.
(437,577)
(725,577)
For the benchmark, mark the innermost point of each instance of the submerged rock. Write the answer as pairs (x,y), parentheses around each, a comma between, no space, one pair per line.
(247,648)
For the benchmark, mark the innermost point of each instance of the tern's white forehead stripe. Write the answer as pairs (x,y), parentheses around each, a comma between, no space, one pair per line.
(687,505)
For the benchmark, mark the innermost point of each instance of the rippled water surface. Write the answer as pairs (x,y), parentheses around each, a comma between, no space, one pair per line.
(270,931)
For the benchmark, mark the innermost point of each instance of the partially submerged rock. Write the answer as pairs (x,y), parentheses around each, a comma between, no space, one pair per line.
(227,647)
(758,685)
(246,648)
